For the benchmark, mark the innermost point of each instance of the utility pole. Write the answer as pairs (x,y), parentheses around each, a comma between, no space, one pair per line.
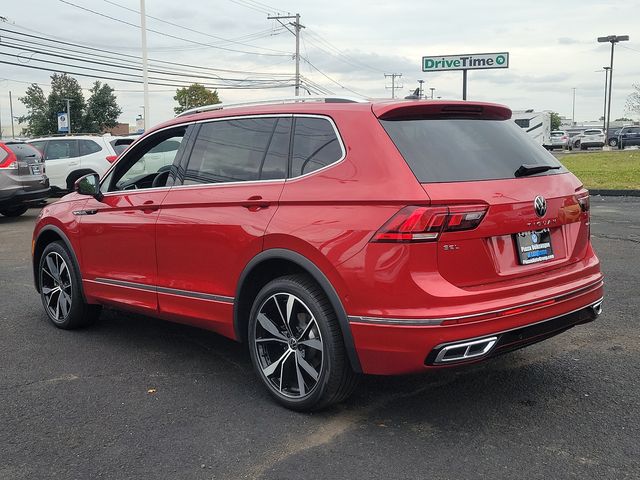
(420,92)
(613,39)
(393,83)
(573,109)
(13,135)
(68,115)
(297,26)
(145,73)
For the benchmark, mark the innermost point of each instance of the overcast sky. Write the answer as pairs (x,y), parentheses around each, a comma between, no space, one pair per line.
(552,47)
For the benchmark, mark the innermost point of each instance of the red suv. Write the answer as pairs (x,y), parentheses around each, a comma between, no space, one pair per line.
(333,237)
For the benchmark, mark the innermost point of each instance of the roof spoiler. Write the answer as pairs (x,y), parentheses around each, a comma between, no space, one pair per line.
(422,109)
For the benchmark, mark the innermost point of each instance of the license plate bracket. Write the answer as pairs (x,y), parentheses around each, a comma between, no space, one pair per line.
(534,246)
(35,170)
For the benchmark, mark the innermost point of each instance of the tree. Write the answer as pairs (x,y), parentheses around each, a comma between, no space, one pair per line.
(624,119)
(36,117)
(555,121)
(195,95)
(42,112)
(633,100)
(102,110)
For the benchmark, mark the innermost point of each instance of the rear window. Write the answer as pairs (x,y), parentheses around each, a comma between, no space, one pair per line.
(24,151)
(593,132)
(557,134)
(460,150)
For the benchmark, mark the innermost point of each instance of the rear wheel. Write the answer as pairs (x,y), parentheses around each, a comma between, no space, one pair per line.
(60,289)
(296,345)
(13,212)
(613,142)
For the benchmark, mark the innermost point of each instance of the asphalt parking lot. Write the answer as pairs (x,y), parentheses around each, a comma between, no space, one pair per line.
(133,397)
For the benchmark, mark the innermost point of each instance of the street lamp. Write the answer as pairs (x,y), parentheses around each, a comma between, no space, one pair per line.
(604,111)
(432,90)
(613,39)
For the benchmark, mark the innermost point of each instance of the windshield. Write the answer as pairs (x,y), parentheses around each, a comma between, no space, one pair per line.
(459,150)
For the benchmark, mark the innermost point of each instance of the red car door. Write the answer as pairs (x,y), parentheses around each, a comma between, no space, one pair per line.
(213,223)
(118,232)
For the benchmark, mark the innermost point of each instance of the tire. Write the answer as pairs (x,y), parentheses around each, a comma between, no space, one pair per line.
(14,212)
(613,142)
(60,289)
(303,362)
(583,147)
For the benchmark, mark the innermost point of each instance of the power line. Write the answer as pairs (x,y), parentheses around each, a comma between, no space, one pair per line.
(339,53)
(172,36)
(331,79)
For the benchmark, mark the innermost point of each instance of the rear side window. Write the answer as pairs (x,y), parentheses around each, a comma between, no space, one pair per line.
(57,149)
(87,147)
(459,150)
(315,145)
(240,150)
(39,144)
(121,144)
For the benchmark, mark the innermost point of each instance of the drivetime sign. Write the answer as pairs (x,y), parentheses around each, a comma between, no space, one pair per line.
(474,61)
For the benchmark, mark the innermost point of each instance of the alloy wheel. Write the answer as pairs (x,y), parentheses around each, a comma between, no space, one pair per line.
(56,285)
(288,345)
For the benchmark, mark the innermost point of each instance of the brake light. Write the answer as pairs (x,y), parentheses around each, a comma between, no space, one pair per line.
(425,224)
(111,158)
(564,137)
(11,161)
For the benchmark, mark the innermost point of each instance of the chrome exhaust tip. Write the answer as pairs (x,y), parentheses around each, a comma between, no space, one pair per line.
(456,352)
(597,308)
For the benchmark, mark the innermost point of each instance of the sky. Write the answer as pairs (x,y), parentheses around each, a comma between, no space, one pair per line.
(346,48)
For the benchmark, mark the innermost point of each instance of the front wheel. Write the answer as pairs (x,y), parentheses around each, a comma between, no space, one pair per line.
(613,142)
(60,289)
(13,212)
(296,345)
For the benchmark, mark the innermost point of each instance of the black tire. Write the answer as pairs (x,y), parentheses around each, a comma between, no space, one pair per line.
(583,147)
(613,142)
(13,212)
(60,285)
(305,376)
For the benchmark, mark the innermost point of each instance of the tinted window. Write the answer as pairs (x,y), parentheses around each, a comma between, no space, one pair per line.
(87,147)
(240,150)
(557,134)
(524,123)
(315,145)
(463,150)
(24,151)
(121,144)
(61,149)
(39,144)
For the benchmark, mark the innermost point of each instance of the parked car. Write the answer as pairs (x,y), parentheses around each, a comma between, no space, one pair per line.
(559,139)
(628,136)
(23,182)
(612,138)
(335,238)
(593,137)
(69,158)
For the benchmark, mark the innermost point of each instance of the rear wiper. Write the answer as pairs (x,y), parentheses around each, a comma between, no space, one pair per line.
(524,170)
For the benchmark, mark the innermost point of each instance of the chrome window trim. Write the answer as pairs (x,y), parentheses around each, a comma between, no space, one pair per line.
(166,290)
(439,321)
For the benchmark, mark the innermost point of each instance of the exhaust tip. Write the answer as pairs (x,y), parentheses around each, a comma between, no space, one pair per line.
(457,352)
(597,308)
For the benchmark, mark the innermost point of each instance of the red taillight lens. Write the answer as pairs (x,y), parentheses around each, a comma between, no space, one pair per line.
(10,161)
(111,158)
(424,224)
(564,138)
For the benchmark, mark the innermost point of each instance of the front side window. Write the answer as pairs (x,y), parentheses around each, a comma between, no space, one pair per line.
(60,149)
(240,150)
(315,145)
(149,164)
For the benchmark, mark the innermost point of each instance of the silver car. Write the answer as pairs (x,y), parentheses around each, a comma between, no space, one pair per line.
(559,139)
(23,182)
(593,137)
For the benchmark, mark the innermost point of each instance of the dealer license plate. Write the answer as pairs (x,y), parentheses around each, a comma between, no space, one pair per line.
(35,169)
(534,247)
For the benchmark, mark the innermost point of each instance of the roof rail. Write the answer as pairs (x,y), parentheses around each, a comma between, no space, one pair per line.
(275,101)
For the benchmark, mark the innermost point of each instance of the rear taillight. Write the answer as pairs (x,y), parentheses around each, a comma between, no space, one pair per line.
(425,224)
(583,200)
(11,161)
(564,137)
(111,158)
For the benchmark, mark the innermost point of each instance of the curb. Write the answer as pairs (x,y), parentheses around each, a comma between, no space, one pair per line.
(615,193)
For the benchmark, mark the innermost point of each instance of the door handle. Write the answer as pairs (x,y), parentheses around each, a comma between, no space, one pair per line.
(255,203)
(149,206)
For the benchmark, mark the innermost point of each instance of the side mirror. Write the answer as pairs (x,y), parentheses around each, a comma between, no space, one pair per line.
(89,185)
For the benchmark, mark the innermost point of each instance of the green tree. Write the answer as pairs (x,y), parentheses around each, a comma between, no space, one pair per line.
(102,109)
(633,100)
(195,95)
(555,121)
(36,117)
(62,87)
(624,119)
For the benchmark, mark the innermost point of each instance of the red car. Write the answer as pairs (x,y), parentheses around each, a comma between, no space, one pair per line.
(335,237)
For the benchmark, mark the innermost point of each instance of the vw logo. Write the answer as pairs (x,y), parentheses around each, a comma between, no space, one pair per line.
(534,238)
(540,205)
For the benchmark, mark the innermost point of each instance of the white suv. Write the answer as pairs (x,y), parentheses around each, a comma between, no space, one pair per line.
(69,158)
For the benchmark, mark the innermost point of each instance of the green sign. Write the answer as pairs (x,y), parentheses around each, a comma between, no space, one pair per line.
(473,61)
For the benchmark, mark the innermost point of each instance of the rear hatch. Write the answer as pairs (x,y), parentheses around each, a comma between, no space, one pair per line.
(487,177)
(31,167)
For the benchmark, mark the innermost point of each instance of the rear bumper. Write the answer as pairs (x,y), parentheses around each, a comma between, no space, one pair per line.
(396,347)
(24,197)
